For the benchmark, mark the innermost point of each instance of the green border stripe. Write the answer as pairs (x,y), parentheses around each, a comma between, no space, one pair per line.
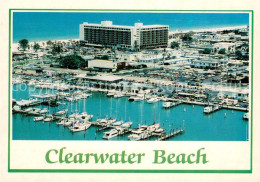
(126,170)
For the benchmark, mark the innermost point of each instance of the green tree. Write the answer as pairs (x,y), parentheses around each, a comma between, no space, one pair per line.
(239,55)
(56,49)
(36,47)
(206,51)
(174,45)
(187,37)
(72,62)
(222,51)
(105,57)
(49,43)
(24,43)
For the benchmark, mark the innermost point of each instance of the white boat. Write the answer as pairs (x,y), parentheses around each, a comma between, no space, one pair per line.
(127,124)
(34,111)
(28,110)
(48,118)
(167,105)
(106,121)
(40,118)
(83,117)
(44,111)
(84,95)
(152,100)
(118,123)
(246,116)
(69,122)
(136,98)
(113,133)
(111,93)
(61,122)
(118,95)
(153,127)
(70,99)
(59,113)
(159,130)
(80,126)
(207,109)
(138,135)
(17,108)
(22,102)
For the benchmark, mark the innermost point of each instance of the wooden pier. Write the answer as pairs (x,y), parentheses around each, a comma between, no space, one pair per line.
(165,137)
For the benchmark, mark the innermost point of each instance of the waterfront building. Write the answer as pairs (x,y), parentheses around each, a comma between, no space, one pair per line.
(134,37)
(105,65)
(208,63)
(105,79)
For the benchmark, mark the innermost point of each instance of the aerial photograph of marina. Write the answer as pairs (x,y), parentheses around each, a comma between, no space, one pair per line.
(130,76)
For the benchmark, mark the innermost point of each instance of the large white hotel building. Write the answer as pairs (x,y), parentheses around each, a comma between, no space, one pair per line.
(138,36)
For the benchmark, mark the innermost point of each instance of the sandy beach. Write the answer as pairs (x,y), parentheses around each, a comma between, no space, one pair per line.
(210,29)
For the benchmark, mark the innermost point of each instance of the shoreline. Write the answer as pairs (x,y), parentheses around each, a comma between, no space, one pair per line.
(214,29)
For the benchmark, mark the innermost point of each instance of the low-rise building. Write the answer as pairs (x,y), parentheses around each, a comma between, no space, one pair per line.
(105,65)
(208,63)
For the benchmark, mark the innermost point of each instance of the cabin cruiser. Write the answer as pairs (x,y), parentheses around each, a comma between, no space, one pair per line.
(28,110)
(167,105)
(80,126)
(246,116)
(59,113)
(69,122)
(48,118)
(44,111)
(83,116)
(17,108)
(111,93)
(118,123)
(208,109)
(136,98)
(152,100)
(113,133)
(61,122)
(118,95)
(127,124)
(84,95)
(159,130)
(40,118)
(138,135)
(35,111)
(106,121)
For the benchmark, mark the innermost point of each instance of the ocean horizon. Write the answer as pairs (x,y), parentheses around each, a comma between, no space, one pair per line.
(43,26)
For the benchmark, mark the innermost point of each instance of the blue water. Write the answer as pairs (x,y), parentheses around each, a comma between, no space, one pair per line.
(36,26)
(199,127)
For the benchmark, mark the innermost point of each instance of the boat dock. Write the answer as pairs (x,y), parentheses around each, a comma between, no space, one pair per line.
(165,137)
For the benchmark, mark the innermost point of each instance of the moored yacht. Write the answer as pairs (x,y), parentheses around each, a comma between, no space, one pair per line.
(40,118)
(167,105)
(80,126)
(152,100)
(59,113)
(246,116)
(207,109)
(113,133)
